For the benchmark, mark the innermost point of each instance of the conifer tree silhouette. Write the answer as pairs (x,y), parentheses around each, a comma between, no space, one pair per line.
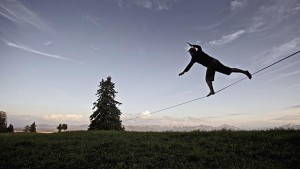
(107,115)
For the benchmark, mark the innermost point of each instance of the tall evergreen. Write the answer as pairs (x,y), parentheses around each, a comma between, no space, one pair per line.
(107,115)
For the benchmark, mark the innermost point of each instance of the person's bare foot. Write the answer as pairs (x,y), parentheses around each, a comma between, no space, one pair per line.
(211,93)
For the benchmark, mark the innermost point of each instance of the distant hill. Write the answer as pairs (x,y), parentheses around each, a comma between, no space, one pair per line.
(52,128)
(201,128)
(179,128)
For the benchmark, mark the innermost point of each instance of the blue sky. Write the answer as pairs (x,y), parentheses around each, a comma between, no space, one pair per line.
(53,54)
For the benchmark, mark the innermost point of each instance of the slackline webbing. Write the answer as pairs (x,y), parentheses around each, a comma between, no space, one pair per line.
(160,110)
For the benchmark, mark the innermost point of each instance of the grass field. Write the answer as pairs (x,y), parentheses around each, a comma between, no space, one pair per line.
(111,149)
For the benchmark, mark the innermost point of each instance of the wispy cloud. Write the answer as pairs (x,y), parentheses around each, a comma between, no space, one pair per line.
(287,118)
(92,19)
(273,54)
(284,67)
(18,14)
(95,48)
(269,15)
(228,38)
(237,119)
(272,14)
(238,114)
(270,55)
(27,49)
(236,4)
(48,43)
(296,106)
(284,75)
(144,3)
(149,4)
(146,118)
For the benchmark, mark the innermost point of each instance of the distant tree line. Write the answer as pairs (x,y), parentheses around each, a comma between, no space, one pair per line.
(10,128)
(3,123)
(28,128)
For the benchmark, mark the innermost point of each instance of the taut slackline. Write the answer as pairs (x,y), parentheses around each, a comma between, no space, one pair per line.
(260,70)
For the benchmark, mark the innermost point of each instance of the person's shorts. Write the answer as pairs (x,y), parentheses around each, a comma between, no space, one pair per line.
(214,66)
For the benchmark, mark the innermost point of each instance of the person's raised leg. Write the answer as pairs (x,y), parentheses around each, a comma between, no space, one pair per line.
(246,72)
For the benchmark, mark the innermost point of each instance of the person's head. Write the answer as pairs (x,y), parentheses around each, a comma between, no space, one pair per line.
(192,51)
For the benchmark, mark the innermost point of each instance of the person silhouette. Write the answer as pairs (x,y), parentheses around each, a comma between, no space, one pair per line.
(212,65)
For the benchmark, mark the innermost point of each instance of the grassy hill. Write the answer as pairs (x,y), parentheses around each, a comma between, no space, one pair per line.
(111,149)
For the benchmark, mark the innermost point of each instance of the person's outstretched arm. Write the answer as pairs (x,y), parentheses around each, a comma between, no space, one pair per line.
(188,67)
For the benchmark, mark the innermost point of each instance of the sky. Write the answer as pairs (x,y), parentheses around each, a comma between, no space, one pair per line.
(54,53)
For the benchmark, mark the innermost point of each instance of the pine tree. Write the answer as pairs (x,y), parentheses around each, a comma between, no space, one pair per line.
(32,127)
(107,115)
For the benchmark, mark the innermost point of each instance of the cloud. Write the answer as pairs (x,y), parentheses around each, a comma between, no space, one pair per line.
(288,118)
(95,48)
(271,15)
(40,53)
(18,14)
(136,117)
(282,68)
(228,38)
(237,4)
(48,43)
(296,106)
(92,19)
(144,4)
(285,75)
(276,52)
(64,117)
(248,120)
(22,120)
(120,3)
(149,4)
(146,118)
(145,114)
(238,114)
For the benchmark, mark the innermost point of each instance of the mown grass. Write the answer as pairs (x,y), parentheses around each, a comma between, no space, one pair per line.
(112,149)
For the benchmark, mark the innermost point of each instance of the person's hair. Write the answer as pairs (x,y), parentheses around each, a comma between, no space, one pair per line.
(192,50)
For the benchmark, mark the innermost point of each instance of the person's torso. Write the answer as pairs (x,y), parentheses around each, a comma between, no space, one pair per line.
(202,58)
